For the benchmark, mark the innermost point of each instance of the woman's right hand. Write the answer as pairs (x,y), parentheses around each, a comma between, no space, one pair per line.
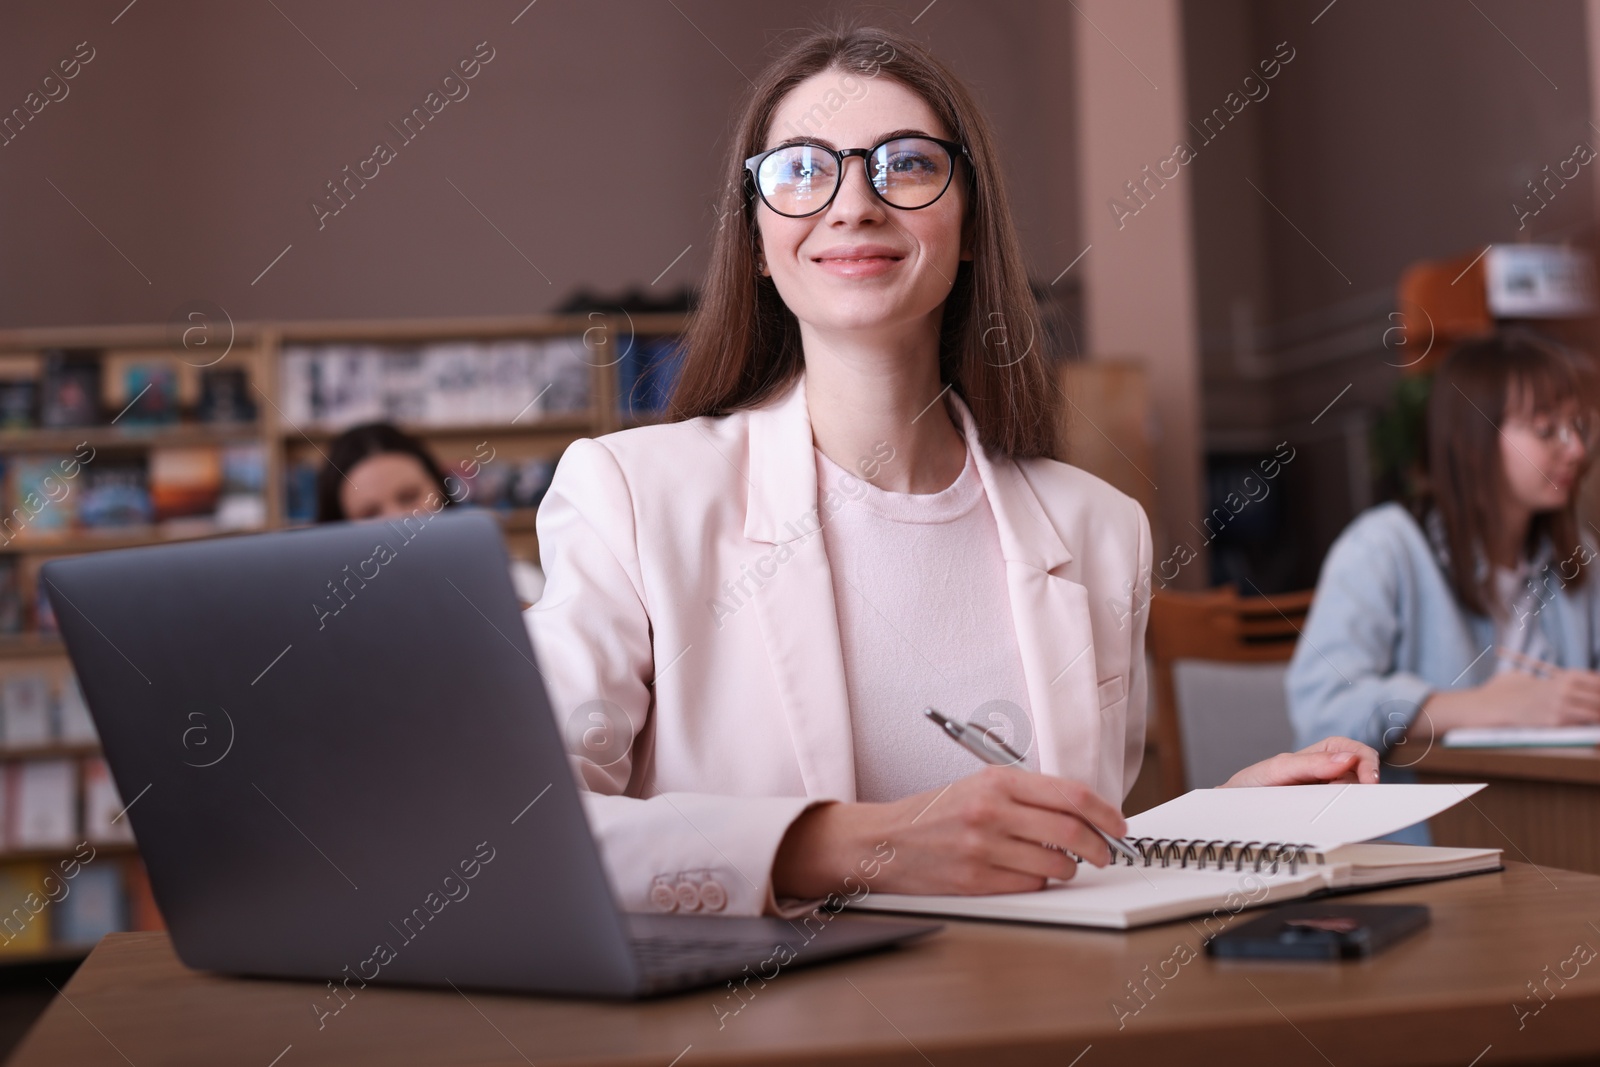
(1515,698)
(980,834)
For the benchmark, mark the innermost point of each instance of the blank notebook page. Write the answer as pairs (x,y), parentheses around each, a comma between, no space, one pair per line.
(1322,816)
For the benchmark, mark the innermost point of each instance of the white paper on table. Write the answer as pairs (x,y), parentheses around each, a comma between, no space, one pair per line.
(1322,816)
(1523,737)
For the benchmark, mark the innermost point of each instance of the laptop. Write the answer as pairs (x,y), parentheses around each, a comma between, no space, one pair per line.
(340,762)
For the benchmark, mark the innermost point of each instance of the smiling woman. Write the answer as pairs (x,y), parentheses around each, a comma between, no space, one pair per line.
(850,311)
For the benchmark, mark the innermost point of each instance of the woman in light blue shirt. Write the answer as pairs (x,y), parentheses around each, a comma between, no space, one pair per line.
(1476,607)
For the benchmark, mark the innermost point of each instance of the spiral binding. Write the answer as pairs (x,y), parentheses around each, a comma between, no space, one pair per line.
(1219,854)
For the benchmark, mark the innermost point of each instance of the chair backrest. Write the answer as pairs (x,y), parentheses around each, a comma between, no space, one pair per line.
(1232,712)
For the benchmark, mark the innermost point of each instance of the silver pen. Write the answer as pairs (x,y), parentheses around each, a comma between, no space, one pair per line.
(989,748)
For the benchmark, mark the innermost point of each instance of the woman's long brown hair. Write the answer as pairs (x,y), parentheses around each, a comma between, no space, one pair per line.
(1477,387)
(743,343)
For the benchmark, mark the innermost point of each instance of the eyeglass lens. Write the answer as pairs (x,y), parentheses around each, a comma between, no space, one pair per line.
(1579,429)
(911,172)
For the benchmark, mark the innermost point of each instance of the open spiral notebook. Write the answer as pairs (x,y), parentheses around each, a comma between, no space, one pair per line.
(1223,850)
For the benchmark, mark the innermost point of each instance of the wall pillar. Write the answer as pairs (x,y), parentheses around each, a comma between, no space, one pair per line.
(1139,274)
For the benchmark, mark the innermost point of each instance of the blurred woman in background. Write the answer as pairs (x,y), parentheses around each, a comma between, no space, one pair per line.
(378,471)
(1475,606)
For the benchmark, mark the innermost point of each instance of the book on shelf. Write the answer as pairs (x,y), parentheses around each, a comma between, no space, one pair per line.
(242,504)
(73,902)
(41,804)
(114,494)
(562,383)
(96,905)
(647,374)
(26,714)
(300,491)
(152,391)
(102,806)
(19,403)
(331,386)
(142,911)
(185,482)
(510,484)
(225,396)
(12,613)
(70,391)
(450,383)
(40,502)
(25,907)
(74,724)
(44,614)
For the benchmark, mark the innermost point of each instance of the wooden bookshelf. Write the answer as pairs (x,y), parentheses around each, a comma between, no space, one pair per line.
(550,424)
(101,848)
(119,537)
(259,349)
(31,646)
(134,438)
(54,750)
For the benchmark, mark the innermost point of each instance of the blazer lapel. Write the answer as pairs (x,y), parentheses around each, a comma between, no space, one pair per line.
(1052,619)
(795,607)
(800,622)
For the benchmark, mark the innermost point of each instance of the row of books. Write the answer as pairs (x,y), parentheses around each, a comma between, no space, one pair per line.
(39,708)
(13,604)
(334,387)
(51,496)
(73,902)
(51,803)
(84,387)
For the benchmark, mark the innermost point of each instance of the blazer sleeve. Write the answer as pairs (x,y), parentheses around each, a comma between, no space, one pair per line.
(591,633)
(1138,666)
(1342,679)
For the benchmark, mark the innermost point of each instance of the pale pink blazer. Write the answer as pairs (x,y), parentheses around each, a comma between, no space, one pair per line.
(736,705)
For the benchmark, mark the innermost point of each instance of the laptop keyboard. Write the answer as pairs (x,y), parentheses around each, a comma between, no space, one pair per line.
(671,955)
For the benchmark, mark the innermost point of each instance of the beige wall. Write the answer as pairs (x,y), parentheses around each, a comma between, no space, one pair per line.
(198,134)
(1400,132)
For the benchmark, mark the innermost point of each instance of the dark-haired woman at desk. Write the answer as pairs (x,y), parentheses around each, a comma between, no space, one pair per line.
(1476,607)
(378,471)
(853,515)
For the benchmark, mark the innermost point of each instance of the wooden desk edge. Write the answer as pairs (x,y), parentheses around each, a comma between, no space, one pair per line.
(1396,1033)
(1578,766)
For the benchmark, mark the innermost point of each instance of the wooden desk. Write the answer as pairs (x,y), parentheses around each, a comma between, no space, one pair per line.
(1542,805)
(976,994)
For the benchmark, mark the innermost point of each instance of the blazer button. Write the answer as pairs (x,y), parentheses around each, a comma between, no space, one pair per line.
(712,896)
(663,897)
(688,896)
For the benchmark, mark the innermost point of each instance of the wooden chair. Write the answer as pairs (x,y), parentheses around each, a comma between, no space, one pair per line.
(1217,625)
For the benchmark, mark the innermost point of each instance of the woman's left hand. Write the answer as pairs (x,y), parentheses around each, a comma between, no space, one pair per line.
(1333,759)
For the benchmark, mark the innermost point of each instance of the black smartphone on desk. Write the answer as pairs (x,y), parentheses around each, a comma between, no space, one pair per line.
(1321,931)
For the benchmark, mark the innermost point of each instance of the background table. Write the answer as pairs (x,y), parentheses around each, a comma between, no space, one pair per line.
(1542,805)
(977,993)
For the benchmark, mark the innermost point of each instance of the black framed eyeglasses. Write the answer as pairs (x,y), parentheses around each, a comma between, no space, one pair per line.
(910,173)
